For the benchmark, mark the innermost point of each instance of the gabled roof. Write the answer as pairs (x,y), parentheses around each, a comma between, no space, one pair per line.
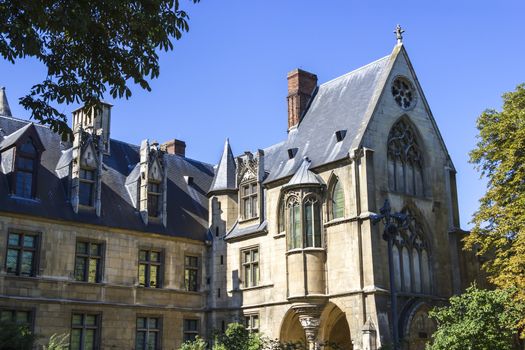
(187,205)
(344,103)
(225,174)
(304,177)
(13,138)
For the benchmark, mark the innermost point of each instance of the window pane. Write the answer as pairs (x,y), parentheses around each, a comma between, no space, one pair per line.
(153,205)
(152,323)
(86,193)
(141,322)
(12,260)
(338,201)
(140,341)
(153,278)
(93,270)
(81,248)
(29,241)
(142,274)
(14,239)
(248,276)
(94,249)
(254,206)
(77,319)
(247,256)
(143,255)
(152,341)
(24,182)
(6,315)
(255,274)
(75,339)
(28,147)
(317,225)
(154,256)
(26,267)
(247,208)
(80,266)
(91,320)
(255,254)
(22,317)
(89,339)
(308,221)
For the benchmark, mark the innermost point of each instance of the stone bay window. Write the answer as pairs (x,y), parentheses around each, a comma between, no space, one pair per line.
(152,183)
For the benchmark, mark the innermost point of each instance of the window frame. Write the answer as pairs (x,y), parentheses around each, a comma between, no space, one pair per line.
(83,327)
(249,322)
(84,181)
(315,203)
(249,198)
(157,195)
(35,264)
(149,330)
(101,259)
(251,265)
(148,263)
(192,333)
(31,315)
(188,267)
(35,158)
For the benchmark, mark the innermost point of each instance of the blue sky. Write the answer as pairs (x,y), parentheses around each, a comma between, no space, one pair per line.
(227,76)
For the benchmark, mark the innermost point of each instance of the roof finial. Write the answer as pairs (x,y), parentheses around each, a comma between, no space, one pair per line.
(399,34)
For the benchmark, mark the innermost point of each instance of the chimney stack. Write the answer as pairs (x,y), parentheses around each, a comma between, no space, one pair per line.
(175,146)
(301,86)
(4,105)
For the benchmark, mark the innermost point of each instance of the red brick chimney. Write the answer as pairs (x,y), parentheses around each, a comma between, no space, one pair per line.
(175,146)
(301,86)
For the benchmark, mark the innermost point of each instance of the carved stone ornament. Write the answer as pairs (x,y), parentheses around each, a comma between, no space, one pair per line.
(247,168)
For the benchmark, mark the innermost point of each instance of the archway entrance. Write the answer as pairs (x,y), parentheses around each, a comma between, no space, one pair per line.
(419,328)
(334,328)
(291,329)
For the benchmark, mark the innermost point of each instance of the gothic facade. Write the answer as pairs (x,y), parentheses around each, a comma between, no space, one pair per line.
(137,246)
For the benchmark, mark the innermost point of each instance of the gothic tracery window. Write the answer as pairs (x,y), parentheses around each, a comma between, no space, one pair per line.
(303,222)
(294,223)
(337,201)
(405,160)
(411,261)
(312,222)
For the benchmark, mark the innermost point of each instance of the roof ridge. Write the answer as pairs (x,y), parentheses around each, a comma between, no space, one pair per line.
(355,70)
(24,121)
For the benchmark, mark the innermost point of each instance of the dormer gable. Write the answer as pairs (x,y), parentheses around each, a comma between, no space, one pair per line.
(250,175)
(20,154)
(152,184)
(86,171)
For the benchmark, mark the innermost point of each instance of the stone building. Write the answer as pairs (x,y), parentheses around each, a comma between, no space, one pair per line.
(127,246)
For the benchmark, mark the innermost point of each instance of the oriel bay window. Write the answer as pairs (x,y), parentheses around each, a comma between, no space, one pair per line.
(249,205)
(304,222)
(21,254)
(88,262)
(250,267)
(150,268)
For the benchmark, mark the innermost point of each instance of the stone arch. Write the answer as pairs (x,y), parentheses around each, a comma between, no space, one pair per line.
(334,328)
(416,327)
(291,329)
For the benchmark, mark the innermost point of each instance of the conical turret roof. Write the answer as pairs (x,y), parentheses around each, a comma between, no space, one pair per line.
(225,174)
(305,177)
(4,105)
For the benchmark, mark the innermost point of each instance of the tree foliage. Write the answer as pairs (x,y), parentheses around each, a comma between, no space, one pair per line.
(88,47)
(499,223)
(15,336)
(477,320)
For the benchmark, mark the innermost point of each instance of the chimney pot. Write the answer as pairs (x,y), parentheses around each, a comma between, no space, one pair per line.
(175,146)
(301,86)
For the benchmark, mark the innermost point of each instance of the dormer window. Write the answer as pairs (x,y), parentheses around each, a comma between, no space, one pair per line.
(154,193)
(26,165)
(249,201)
(86,189)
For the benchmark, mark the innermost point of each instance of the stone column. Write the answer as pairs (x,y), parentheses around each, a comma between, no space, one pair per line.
(309,317)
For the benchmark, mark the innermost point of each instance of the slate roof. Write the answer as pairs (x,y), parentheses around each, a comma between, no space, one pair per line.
(237,232)
(340,104)
(304,177)
(11,139)
(187,206)
(225,173)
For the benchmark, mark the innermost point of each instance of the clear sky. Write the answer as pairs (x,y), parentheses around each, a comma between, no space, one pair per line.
(227,76)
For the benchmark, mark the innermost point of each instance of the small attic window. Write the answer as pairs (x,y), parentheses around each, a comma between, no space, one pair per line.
(189,180)
(340,135)
(292,152)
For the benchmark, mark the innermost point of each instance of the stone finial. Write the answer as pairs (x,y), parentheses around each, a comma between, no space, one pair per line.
(399,34)
(4,105)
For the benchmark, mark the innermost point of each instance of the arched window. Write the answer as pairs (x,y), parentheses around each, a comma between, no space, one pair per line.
(411,260)
(312,222)
(405,160)
(281,227)
(294,223)
(337,201)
